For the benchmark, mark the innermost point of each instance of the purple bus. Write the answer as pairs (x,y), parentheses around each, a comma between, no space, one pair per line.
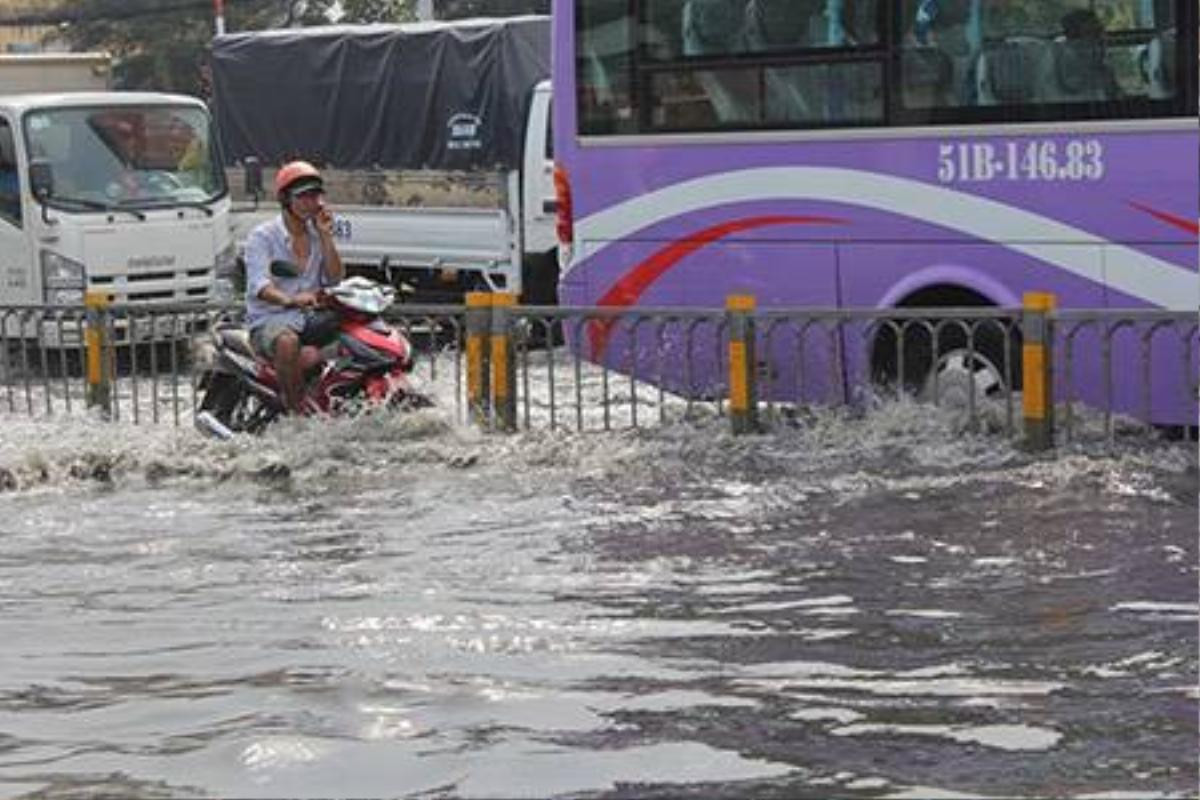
(880,154)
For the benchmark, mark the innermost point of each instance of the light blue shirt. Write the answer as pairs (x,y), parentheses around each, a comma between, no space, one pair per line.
(269,242)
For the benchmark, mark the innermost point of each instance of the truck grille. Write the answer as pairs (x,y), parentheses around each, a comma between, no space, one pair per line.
(166,286)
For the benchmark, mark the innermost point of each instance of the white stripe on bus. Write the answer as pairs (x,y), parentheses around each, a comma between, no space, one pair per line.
(1129,271)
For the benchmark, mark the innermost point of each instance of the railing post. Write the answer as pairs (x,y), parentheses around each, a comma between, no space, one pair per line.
(1037,370)
(504,395)
(97,352)
(743,397)
(479,323)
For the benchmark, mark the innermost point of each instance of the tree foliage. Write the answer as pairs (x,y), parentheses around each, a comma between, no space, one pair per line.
(459,9)
(160,44)
(377,11)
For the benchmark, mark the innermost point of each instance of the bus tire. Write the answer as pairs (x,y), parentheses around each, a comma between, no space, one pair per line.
(959,365)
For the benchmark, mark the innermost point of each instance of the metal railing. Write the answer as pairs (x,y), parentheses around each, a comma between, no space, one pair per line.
(606,369)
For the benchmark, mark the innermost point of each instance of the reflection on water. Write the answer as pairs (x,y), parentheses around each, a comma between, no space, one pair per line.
(867,607)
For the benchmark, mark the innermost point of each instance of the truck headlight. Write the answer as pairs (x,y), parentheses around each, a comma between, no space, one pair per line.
(63,280)
(226,261)
(229,274)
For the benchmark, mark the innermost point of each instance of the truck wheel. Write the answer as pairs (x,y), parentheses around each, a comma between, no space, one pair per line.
(539,277)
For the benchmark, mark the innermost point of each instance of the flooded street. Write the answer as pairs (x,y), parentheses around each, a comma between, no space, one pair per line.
(864,607)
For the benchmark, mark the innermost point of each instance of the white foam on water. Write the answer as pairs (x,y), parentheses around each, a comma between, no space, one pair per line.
(949,681)
(1000,737)
(1153,607)
(827,714)
(868,783)
(554,771)
(933,793)
(901,447)
(281,752)
(924,613)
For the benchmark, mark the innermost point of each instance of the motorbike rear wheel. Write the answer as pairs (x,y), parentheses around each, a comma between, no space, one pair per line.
(239,410)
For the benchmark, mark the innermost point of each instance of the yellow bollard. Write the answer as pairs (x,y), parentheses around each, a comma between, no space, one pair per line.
(1037,370)
(97,352)
(504,395)
(743,401)
(479,320)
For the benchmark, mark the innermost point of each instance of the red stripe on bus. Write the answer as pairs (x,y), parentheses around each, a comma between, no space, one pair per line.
(634,283)
(1191,226)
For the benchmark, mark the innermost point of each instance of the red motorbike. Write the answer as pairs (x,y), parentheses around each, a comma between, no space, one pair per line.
(366,364)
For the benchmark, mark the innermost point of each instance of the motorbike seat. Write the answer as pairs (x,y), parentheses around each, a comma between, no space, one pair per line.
(237,340)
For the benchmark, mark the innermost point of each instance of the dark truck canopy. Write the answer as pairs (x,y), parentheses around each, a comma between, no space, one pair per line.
(434,95)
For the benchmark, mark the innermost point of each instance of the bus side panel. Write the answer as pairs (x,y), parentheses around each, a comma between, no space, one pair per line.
(796,362)
(881,275)
(1172,352)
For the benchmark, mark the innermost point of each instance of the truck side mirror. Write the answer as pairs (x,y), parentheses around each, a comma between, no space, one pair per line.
(253,177)
(41,184)
(41,179)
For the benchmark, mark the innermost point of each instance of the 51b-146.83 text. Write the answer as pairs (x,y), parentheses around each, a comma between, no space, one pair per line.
(1021,160)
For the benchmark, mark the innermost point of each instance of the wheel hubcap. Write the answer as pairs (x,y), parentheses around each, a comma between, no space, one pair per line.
(959,373)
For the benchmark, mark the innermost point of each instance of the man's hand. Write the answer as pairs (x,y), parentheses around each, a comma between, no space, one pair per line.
(324,222)
(305,300)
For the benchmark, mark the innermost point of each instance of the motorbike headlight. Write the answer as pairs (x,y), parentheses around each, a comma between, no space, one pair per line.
(63,280)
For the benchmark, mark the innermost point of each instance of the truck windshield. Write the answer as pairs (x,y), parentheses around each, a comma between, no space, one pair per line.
(126,156)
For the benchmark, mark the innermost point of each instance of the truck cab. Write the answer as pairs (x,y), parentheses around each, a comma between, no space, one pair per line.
(539,204)
(119,193)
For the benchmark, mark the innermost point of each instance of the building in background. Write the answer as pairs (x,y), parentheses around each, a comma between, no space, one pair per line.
(17,38)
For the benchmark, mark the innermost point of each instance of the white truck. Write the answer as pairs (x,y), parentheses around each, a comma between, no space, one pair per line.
(434,139)
(116,192)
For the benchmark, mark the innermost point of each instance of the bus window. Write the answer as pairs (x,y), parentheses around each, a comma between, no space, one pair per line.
(809,90)
(650,66)
(787,24)
(818,93)
(1025,55)
(605,43)
(739,27)
(711,28)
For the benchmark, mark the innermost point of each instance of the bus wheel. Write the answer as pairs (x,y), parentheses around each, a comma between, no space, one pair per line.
(959,369)
(960,372)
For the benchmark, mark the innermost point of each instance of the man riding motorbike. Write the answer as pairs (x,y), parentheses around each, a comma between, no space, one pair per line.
(280,310)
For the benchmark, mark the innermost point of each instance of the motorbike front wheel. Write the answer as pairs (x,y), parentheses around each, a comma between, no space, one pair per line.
(221,395)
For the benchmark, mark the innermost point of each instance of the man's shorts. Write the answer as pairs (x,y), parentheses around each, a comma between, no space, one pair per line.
(264,335)
(317,327)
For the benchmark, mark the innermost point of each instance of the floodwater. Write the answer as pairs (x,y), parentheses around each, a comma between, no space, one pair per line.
(879,606)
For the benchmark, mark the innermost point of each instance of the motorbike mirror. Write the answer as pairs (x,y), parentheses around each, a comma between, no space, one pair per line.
(282,268)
